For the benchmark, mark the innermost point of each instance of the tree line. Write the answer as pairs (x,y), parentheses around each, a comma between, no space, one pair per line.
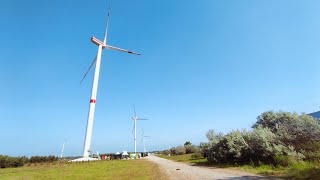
(8,161)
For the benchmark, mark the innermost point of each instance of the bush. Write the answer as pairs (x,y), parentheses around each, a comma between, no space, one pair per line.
(261,146)
(277,138)
(302,132)
(42,159)
(179,150)
(7,161)
(283,160)
(204,148)
(187,143)
(258,146)
(191,149)
(166,152)
(312,156)
(228,149)
(213,139)
(196,156)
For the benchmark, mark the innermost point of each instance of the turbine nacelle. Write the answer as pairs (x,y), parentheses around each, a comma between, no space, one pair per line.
(100,43)
(97,41)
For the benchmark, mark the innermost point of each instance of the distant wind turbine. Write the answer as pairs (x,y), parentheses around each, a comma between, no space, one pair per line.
(135,118)
(63,145)
(144,141)
(101,45)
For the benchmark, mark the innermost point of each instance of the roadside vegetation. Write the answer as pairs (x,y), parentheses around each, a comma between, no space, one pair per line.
(280,143)
(8,161)
(116,169)
(185,158)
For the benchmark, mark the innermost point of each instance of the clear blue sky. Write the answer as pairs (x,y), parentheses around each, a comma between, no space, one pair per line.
(205,64)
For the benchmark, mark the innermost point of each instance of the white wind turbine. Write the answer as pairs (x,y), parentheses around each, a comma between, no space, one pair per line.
(101,45)
(63,145)
(144,141)
(135,118)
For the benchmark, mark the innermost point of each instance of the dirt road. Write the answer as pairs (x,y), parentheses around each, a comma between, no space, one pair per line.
(181,171)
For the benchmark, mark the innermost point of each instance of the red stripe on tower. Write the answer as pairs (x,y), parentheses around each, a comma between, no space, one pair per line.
(92,101)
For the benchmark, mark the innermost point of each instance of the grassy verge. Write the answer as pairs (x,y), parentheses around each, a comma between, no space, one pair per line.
(302,170)
(185,158)
(117,169)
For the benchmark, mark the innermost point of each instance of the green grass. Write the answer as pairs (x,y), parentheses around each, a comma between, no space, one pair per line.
(301,170)
(266,170)
(185,158)
(117,169)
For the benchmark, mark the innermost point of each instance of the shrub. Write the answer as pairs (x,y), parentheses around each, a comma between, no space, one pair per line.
(196,156)
(312,156)
(7,161)
(272,120)
(261,146)
(228,149)
(277,138)
(292,129)
(258,146)
(187,143)
(191,149)
(303,133)
(204,148)
(166,152)
(179,150)
(212,137)
(42,159)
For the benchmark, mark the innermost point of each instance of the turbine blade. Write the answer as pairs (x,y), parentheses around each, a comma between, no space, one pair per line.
(107,24)
(93,62)
(121,50)
(134,110)
(142,119)
(141,140)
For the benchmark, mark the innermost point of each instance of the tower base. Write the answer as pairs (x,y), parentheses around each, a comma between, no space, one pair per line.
(84,159)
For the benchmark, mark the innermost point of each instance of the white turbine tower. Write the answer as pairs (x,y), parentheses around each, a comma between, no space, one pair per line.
(63,145)
(101,45)
(144,141)
(135,118)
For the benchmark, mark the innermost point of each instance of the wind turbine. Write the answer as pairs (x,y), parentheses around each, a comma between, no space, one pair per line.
(135,118)
(62,150)
(101,46)
(143,140)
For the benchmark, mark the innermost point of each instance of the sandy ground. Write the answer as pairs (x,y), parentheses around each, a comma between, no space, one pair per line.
(181,171)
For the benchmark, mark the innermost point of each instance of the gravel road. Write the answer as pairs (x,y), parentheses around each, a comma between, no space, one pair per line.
(181,171)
